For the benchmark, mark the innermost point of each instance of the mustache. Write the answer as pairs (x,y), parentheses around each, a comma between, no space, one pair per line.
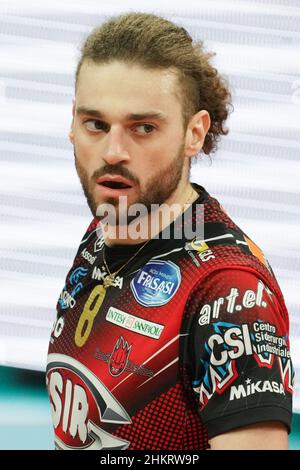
(114,170)
(107,169)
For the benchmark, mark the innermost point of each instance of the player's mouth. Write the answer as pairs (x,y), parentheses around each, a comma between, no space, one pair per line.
(113,185)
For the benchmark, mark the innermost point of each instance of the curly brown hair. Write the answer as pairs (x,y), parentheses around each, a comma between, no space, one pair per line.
(154,42)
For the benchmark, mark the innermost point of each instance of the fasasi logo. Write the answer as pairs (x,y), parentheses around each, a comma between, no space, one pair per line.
(156,283)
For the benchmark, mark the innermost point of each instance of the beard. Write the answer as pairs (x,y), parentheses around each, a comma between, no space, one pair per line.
(158,188)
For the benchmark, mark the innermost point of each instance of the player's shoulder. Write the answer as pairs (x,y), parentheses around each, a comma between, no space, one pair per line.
(237,278)
(229,259)
(227,243)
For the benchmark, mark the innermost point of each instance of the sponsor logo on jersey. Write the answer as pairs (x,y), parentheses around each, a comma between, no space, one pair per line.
(239,238)
(287,373)
(87,255)
(266,342)
(156,283)
(67,299)
(261,386)
(57,329)
(119,357)
(98,245)
(229,342)
(100,275)
(222,350)
(204,253)
(77,274)
(232,304)
(118,361)
(133,323)
(80,402)
(199,245)
(216,379)
(232,341)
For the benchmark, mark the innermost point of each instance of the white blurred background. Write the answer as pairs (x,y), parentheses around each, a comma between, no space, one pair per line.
(255,174)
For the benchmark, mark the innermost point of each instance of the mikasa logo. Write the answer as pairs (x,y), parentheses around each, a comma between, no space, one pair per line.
(261,386)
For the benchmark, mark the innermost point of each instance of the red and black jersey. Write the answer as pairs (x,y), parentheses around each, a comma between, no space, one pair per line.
(190,341)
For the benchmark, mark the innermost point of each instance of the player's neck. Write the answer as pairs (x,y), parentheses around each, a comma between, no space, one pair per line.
(147,227)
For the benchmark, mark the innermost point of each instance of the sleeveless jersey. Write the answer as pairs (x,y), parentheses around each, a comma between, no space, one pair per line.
(189,342)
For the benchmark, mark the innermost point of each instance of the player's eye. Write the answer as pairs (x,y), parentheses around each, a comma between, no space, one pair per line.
(149,128)
(95,125)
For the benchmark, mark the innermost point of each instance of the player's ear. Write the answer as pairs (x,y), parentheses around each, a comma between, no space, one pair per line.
(196,131)
(71,132)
